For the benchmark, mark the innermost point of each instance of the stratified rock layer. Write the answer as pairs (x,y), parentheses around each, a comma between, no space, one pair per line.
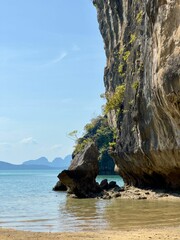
(142,47)
(81,175)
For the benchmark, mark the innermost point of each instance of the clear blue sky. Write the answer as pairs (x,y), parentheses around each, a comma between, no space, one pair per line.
(51,75)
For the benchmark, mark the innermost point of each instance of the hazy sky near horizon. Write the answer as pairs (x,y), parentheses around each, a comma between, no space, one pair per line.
(51,76)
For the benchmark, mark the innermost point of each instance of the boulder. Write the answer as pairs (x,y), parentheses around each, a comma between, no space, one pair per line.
(104,184)
(80,176)
(59,187)
(107,186)
(112,184)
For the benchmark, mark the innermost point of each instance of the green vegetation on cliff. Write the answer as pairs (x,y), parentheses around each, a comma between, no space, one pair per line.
(99,132)
(114,102)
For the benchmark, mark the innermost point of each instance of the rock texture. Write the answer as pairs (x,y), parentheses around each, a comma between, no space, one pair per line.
(81,175)
(59,186)
(142,47)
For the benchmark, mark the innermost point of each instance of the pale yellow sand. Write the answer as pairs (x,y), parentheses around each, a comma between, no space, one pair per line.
(137,234)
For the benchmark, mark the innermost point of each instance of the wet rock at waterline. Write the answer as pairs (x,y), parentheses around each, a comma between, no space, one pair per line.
(81,175)
(104,185)
(59,186)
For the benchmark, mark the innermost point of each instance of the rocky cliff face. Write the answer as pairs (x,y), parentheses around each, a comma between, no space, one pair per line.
(143,54)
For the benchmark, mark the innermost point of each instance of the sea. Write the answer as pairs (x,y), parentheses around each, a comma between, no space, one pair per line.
(27,202)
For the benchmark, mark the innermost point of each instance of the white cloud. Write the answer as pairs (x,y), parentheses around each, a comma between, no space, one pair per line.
(60,57)
(29,141)
(56,60)
(56,147)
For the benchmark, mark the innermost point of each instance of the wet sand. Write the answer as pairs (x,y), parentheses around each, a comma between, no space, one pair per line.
(137,234)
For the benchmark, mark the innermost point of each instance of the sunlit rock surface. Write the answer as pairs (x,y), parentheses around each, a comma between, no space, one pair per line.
(80,178)
(142,46)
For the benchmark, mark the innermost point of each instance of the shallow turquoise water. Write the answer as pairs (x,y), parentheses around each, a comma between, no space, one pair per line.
(27,202)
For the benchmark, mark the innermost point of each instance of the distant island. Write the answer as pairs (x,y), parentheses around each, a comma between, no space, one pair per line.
(40,163)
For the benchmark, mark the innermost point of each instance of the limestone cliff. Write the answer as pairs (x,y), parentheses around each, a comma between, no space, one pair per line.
(141,40)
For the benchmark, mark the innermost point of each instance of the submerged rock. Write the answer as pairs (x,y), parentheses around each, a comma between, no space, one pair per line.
(81,175)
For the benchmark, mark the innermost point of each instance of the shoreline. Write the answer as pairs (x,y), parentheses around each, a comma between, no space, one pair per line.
(163,232)
(169,233)
(135,193)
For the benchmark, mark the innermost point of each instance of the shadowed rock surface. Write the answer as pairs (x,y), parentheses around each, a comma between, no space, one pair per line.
(80,176)
(143,54)
(59,186)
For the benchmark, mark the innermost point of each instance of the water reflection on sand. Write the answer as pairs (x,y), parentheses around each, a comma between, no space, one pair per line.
(126,213)
(84,214)
(115,214)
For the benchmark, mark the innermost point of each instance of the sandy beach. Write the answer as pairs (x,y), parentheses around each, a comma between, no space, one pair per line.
(172,233)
